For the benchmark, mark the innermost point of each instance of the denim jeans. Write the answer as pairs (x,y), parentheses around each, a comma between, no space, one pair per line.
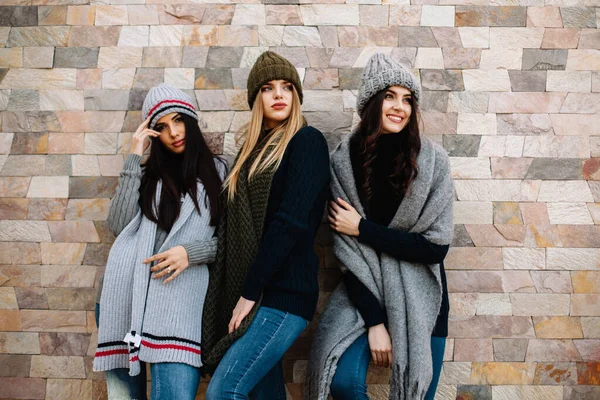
(172,381)
(349,381)
(169,380)
(252,366)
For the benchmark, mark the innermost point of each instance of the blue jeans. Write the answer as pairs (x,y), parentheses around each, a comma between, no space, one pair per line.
(252,366)
(169,380)
(174,381)
(349,381)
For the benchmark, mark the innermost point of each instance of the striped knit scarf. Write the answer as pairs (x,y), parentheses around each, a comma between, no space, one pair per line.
(240,233)
(142,318)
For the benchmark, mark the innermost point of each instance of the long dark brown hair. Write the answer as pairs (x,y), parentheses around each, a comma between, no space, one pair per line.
(180,174)
(405,169)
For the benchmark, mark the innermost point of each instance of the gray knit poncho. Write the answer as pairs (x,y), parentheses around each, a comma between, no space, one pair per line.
(410,293)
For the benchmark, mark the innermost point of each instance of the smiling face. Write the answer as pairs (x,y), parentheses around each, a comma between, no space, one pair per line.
(276,99)
(172,132)
(396,109)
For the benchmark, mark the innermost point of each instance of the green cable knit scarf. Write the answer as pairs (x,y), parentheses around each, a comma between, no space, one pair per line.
(240,234)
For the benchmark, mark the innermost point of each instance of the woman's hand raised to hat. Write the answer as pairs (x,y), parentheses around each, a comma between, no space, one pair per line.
(140,139)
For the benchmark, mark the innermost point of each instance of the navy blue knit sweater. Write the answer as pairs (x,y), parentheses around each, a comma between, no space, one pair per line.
(285,267)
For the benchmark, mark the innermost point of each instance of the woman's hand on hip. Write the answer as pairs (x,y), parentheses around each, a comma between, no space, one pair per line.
(140,139)
(241,310)
(380,344)
(171,262)
(343,218)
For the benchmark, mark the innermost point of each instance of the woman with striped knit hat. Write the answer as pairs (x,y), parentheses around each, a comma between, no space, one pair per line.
(164,215)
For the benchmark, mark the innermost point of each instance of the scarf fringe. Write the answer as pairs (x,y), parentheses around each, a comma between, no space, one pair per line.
(402,389)
(316,388)
(398,381)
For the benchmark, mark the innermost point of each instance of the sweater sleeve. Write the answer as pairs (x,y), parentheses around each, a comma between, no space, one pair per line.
(124,206)
(406,246)
(201,251)
(307,177)
(365,302)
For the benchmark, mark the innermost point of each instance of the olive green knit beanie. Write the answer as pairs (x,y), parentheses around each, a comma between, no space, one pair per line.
(271,66)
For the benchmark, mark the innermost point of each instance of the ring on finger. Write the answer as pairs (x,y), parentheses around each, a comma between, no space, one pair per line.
(168,270)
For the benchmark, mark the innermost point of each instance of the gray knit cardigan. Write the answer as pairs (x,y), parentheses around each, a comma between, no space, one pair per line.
(142,319)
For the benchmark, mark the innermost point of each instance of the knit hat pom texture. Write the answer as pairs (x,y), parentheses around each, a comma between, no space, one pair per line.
(164,99)
(268,67)
(382,72)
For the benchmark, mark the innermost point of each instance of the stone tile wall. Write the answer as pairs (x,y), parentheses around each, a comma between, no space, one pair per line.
(511,90)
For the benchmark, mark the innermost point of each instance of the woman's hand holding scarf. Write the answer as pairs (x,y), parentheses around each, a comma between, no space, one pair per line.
(343,218)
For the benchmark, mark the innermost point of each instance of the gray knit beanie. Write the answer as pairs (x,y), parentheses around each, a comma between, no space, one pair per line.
(165,99)
(382,72)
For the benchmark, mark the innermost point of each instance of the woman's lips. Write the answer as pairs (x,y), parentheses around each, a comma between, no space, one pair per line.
(179,143)
(395,118)
(279,106)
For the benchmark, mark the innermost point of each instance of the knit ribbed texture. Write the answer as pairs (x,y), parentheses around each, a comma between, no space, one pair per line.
(268,67)
(166,317)
(382,72)
(165,99)
(124,207)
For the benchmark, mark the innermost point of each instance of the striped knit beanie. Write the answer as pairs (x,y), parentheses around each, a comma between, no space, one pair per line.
(380,73)
(165,99)
(268,67)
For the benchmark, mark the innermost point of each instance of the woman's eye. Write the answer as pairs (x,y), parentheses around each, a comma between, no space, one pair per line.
(406,100)
(265,88)
(389,96)
(288,87)
(179,120)
(159,128)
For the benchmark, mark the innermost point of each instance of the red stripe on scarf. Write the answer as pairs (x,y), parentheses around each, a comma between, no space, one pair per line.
(170,346)
(111,352)
(170,101)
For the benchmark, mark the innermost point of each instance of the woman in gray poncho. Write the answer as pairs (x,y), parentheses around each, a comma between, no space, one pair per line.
(392,223)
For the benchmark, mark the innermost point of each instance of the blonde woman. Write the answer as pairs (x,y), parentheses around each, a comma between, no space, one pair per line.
(263,287)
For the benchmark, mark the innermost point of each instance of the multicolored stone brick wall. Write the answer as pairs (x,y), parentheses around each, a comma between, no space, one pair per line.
(511,90)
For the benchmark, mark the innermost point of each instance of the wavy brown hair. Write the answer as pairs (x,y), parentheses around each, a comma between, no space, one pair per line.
(369,129)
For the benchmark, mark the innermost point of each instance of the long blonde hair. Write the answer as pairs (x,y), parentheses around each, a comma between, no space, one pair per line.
(278,138)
